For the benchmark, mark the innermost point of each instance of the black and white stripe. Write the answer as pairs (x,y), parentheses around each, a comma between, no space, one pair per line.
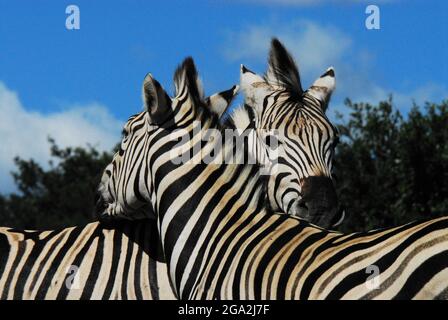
(119,261)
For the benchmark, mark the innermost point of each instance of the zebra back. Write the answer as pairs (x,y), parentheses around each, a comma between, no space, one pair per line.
(96,261)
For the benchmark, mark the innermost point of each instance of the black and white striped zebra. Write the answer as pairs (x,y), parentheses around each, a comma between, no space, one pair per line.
(95,261)
(220,241)
(117,260)
(300,180)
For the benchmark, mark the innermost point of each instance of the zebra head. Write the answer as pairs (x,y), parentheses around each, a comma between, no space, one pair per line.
(300,179)
(126,189)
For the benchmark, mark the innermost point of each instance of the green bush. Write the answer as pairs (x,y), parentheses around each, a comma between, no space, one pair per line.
(392,168)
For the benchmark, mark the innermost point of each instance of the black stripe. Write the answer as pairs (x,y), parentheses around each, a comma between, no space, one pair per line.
(442,295)
(77,261)
(422,275)
(46,255)
(4,253)
(16,261)
(153,279)
(67,246)
(138,262)
(228,94)
(248,250)
(236,294)
(244,69)
(293,260)
(328,73)
(127,262)
(94,273)
(28,266)
(270,253)
(117,240)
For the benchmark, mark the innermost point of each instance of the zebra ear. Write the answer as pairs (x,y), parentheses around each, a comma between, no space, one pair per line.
(282,70)
(255,89)
(323,87)
(186,79)
(155,99)
(219,102)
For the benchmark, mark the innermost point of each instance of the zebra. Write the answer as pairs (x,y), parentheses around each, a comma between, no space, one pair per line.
(108,260)
(98,261)
(300,181)
(219,239)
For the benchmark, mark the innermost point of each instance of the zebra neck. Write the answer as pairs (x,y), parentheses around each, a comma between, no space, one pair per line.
(198,201)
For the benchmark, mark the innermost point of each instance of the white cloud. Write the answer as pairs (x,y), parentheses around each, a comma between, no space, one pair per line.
(429,92)
(24,133)
(316,47)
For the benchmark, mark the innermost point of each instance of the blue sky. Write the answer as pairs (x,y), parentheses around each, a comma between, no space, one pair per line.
(79,86)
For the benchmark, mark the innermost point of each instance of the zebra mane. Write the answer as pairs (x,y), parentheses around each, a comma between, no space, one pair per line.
(282,70)
(186,75)
(242,117)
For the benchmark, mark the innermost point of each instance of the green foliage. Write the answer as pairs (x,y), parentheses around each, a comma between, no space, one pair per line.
(392,169)
(61,196)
